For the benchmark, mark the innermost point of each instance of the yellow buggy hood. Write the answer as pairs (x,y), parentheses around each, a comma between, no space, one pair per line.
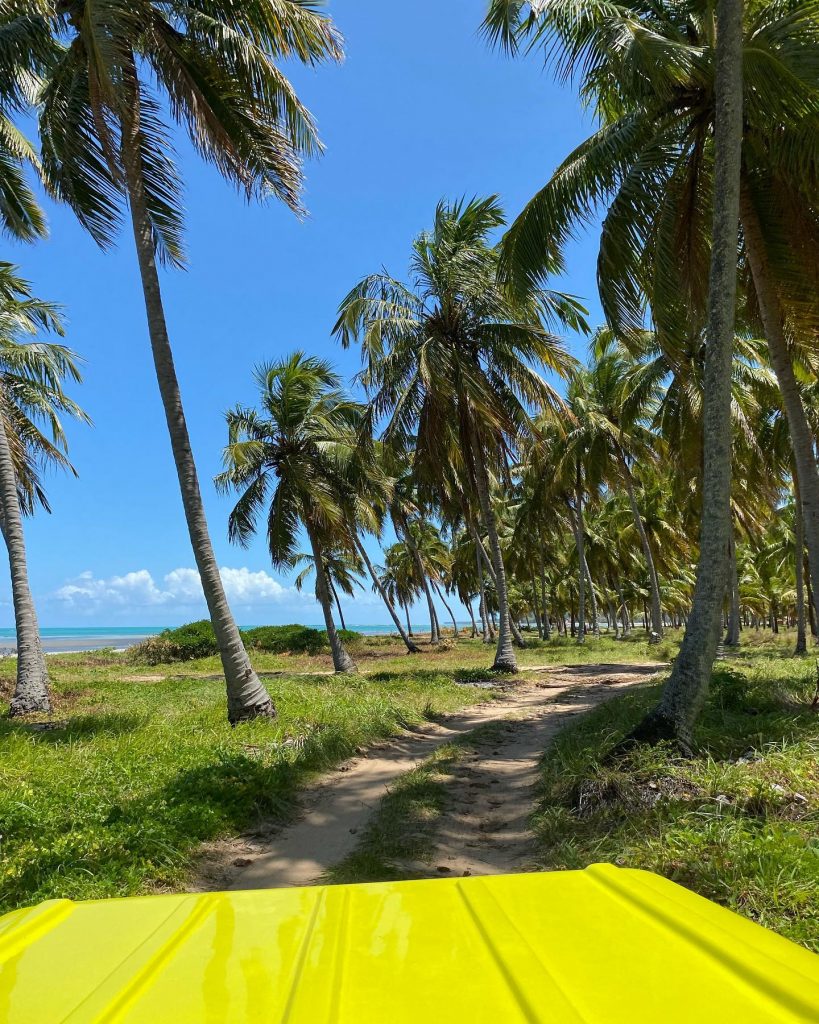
(600,946)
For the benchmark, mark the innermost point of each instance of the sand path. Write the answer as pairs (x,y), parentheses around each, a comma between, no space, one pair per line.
(485,829)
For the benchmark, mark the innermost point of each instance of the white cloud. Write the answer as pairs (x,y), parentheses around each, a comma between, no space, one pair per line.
(179,588)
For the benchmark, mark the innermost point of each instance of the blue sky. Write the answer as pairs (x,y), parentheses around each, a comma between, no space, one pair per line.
(421,109)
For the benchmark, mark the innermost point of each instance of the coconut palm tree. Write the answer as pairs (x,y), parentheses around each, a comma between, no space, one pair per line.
(651,76)
(342,569)
(117,70)
(399,579)
(32,376)
(291,460)
(451,354)
(638,91)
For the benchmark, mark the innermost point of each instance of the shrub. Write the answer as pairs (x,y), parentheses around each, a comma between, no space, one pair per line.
(193,640)
(286,639)
(197,640)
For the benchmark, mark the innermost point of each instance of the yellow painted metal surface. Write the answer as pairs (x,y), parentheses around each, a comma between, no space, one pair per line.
(602,945)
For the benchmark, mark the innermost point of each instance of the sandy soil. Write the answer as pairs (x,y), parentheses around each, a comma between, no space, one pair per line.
(485,831)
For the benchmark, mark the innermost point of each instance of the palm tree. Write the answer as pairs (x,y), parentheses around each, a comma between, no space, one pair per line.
(342,569)
(105,144)
(32,374)
(638,91)
(685,692)
(399,579)
(294,456)
(451,355)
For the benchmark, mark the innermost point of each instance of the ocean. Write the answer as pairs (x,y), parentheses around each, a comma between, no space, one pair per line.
(60,639)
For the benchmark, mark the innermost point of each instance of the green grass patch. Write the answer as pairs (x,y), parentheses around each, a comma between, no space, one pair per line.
(737,824)
(142,768)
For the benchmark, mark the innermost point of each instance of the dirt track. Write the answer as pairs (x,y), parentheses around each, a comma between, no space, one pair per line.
(486,829)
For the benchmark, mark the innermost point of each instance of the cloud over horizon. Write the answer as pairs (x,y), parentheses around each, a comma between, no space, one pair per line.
(180,588)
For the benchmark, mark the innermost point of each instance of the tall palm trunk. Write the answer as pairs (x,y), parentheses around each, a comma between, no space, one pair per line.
(799,566)
(732,632)
(412,647)
(342,662)
(517,636)
(482,609)
(544,601)
(246,697)
(334,595)
(468,603)
(409,540)
(440,594)
(685,692)
(770,310)
(592,602)
(31,689)
(656,605)
(621,598)
(505,660)
(576,516)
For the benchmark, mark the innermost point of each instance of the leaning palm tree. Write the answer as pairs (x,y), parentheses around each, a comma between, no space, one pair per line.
(294,455)
(32,374)
(450,357)
(118,68)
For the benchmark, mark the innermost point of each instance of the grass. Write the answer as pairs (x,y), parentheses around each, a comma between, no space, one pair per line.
(139,766)
(738,823)
(117,799)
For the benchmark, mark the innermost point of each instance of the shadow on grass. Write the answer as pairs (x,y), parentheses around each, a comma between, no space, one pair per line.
(80,727)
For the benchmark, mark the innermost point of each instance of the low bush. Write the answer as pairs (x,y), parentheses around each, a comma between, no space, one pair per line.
(193,640)
(291,639)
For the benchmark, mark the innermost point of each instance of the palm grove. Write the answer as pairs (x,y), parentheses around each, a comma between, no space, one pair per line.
(670,480)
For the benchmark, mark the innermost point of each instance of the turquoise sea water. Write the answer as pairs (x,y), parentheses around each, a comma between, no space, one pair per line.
(58,639)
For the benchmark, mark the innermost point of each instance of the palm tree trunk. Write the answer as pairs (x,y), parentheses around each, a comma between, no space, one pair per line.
(409,540)
(687,687)
(543,597)
(468,604)
(413,648)
(536,609)
(612,616)
(246,697)
(334,594)
(656,605)
(342,662)
(799,567)
(593,602)
(732,633)
(505,660)
(516,634)
(482,609)
(31,692)
(621,598)
(814,626)
(409,624)
(439,592)
(576,516)
(770,310)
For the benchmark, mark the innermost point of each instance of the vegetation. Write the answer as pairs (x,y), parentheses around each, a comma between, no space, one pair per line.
(578,511)
(115,794)
(198,640)
(736,823)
